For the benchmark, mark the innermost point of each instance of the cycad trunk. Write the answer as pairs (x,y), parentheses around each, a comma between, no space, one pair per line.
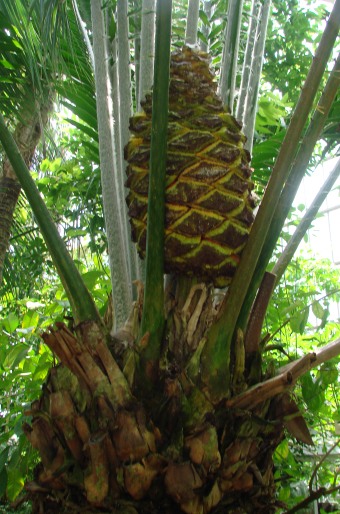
(104,450)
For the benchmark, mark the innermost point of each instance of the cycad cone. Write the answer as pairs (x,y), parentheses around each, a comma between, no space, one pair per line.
(209,206)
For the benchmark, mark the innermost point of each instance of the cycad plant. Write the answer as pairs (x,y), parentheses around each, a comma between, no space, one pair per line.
(172,410)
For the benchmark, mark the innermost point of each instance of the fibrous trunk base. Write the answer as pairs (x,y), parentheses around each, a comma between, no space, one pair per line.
(106,447)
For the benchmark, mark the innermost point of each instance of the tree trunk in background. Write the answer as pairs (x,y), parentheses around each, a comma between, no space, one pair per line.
(9,194)
(27,136)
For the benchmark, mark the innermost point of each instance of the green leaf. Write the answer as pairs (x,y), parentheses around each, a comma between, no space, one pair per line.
(216,30)
(81,126)
(7,64)
(11,322)
(15,355)
(15,484)
(318,310)
(20,356)
(91,278)
(43,366)
(76,232)
(282,451)
(311,393)
(299,320)
(204,18)
(30,320)
(284,493)
(328,374)
(324,318)
(3,459)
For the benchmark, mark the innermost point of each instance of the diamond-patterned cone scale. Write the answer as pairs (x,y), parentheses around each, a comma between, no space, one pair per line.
(209,205)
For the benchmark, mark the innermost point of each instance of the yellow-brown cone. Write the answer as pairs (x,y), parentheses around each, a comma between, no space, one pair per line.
(209,205)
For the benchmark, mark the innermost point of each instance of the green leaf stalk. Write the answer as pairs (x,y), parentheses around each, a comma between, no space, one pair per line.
(153,310)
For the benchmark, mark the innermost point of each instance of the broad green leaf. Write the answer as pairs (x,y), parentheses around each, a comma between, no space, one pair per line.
(324,318)
(312,393)
(216,30)
(30,320)
(318,310)
(91,277)
(45,165)
(328,374)
(299,320)
(202,37)
(43,366)
(284,493)
(20,356)
(15,355)
(15,483)
(282,451)
(11,322)
(29,366)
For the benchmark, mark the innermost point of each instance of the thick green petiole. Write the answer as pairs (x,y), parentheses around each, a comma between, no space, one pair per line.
(153,309)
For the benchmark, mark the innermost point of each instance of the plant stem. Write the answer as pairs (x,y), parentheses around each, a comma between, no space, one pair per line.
(289,191)
(230,53)
(124,111)
(247,62)
(82,304)
(207,7)
(258,312)
(147,50)
(136,44)
(153,309)
(250,108)
(216,353)
(121,283)
(192,22)
(305,223)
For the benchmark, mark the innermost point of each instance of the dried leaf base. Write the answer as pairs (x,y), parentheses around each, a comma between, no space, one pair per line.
(105,448)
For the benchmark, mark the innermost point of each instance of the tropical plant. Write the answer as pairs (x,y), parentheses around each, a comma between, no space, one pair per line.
(174,406)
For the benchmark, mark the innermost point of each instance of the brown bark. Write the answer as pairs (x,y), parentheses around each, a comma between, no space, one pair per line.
(9,194)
